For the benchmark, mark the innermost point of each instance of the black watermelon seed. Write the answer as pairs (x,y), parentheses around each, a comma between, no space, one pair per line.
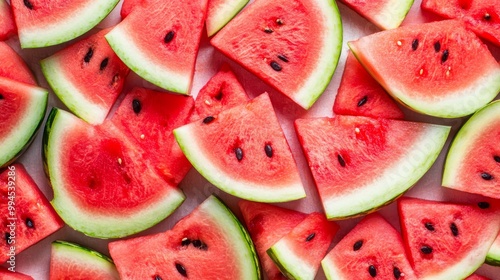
(203,247)
(483,205)
(239,153)
(7,237)
(279,21)
(104,63)
(208,119)
(437,46)
(310,237)
(429,226)
(357,245)
(454,229)
(219,96)
(372,270)
(136,106)
(185,242)
(283,57)
(445,55)
(30,223)
(275,65)
(396,272)
(341,160)
(28,4)
(414,44)
(197,243)
(1,97)
(269,150)
(181,269)
(169,37)
(88,55)
(487,16)
(496,158)
(362,101)
(426,249)
(157,277)
(486,176)
(268,30)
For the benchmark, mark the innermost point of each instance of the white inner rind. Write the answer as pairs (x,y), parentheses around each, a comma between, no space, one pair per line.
(73,25)
(393,14)
(123,44)
(90,221)
(466,137)
(254,191)
(289,261)
(332,272)
(392,181)
(69,94)
(223,14)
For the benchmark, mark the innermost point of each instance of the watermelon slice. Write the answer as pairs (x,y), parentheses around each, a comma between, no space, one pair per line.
(386,14)
(209,243)
(493,256)
(23,109)
(428,68)
(160,41)
(372,249)
(267,224)
(148,117)
(473,161)
(26,215)
(10,275)
(102,187)
(447,240)
(7,24)
(360,164)
(43,23)
(70,260)
(274,40)
(229,153)
(14,67)
(299,253)
(220,12)
(360,95)
(221,92)
(87,76)
(481,16)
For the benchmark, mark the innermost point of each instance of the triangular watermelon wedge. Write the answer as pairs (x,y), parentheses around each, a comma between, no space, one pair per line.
(447,240)
(243,151)
(360,164)
(7,24)
(360,95)
(159,41)
(386,14)
(14,67)
(220,12)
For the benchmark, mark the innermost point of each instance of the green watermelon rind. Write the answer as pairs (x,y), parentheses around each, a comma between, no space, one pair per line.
(466,137)
(26,130)
(291,265)
(223,15)
(71,27)
(85,257)
(89,223)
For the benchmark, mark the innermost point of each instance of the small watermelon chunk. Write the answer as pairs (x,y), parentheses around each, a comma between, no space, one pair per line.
(32,218)
(14,67)
(10,275)
(220,12)
(209,243)
(23,109)
(372,249)
(360,95)
(428,68)
(221,92)
(481,16)
(294,52)
(299,253)
(243,151)
(447,240)
(7,24)
(267,224)
(360,164)
(386,14)
(473,161)
(72,261)
(148,117)
(493,256)
(160,41)
(87,76)
(43,23)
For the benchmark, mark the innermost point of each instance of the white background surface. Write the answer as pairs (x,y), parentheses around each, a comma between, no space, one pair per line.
(35,260)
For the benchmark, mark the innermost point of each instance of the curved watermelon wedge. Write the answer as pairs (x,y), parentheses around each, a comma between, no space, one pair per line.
(228,152)
(493,256)
(7,24)
(14,67)
(386,14)
(428,68)
(45,23)
(70,260)
(220,12)
(294,52)
(473,160)
(209,243)
(360,164)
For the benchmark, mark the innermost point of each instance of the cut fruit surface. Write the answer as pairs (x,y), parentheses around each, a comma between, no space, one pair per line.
(386,14)
(244,152)
(7,24)
(14,67)
(220,12)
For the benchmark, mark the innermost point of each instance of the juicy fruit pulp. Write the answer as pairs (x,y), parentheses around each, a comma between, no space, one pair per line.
(7,24)
(13,66)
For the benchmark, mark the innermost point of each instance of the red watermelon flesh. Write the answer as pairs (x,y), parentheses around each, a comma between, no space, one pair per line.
(360,95)
(33,218)
(481,16)
(148,117)
(267,224)
(13,66)
(128,6)
(221,92)
(7,24)
(447,240)
(373,248)
(386,14)
(477,277)
(87,76)
(9,275)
